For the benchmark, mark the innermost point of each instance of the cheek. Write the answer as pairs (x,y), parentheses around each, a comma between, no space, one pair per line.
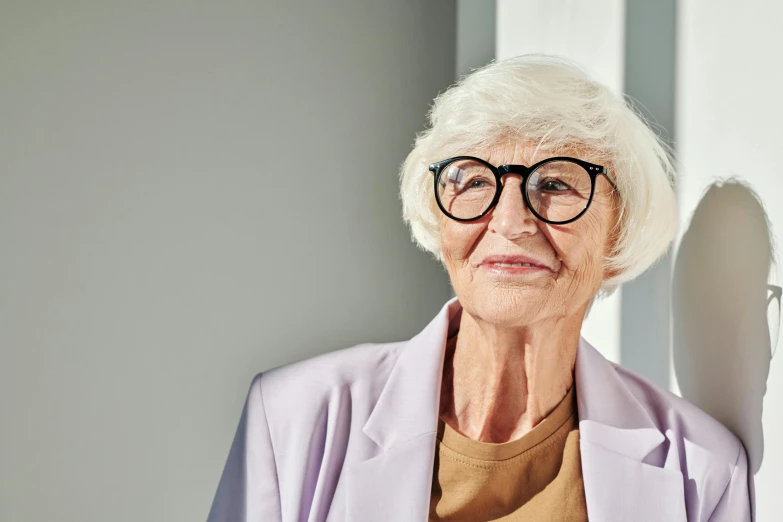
(458,239)
(582,246)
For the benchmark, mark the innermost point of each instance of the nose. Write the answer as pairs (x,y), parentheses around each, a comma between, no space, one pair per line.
(511,217)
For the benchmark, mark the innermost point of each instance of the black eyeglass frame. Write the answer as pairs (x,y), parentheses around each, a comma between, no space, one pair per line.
(592,170)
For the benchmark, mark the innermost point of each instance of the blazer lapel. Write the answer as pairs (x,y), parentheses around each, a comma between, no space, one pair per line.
(617,441)
(395,484)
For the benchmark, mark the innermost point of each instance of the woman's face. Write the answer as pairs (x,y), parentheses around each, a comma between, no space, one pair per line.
(569,257)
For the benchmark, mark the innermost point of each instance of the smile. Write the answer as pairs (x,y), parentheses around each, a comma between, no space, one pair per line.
(514,269)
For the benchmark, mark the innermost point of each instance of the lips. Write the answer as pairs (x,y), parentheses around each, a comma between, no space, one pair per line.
(507,261)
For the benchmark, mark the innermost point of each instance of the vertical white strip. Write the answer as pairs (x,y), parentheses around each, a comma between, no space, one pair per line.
(591,33)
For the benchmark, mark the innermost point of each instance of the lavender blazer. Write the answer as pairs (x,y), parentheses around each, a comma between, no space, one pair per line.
(350,436)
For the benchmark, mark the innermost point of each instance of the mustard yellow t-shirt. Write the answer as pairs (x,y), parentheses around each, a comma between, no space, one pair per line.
(536,477)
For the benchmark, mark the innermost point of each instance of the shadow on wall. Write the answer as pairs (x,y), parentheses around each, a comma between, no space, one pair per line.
(726,316)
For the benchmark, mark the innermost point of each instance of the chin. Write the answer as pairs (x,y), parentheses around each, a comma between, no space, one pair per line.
(509,308)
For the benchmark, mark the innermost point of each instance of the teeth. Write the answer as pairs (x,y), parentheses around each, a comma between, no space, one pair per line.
(512,264)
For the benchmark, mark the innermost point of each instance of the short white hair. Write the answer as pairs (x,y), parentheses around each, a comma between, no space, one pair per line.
(553,103)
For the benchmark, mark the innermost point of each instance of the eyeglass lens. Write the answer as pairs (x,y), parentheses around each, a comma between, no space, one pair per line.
(557,191)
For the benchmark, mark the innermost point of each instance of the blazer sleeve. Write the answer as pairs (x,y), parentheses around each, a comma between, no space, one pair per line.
(248,490)
(735,504)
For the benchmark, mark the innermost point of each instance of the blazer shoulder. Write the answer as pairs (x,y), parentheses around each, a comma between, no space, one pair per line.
(363,367)
(683,420)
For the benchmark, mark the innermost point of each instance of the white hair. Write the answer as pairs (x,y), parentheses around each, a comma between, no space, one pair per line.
(553,103)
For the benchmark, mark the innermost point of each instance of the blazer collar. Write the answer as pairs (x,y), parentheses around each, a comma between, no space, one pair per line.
(408,405)
(616,434)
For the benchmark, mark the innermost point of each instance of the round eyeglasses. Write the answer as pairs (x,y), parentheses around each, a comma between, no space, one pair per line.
(557,190)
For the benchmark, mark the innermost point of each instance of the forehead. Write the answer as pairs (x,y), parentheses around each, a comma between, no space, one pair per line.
(528,152)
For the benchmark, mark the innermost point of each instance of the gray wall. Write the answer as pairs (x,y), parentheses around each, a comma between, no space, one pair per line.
(476,30)
(650,80)
(190,193)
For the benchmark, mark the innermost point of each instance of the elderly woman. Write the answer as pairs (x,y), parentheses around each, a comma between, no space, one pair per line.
(538,189)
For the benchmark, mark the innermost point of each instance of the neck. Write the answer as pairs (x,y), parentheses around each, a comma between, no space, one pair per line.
(499,383)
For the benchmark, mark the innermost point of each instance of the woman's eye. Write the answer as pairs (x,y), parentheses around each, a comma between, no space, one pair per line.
(474,184)
(554,185)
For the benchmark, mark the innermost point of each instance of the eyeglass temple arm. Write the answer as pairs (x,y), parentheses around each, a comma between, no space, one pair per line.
(608,177)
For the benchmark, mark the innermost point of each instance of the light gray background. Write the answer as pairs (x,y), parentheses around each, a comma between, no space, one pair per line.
(190,193)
